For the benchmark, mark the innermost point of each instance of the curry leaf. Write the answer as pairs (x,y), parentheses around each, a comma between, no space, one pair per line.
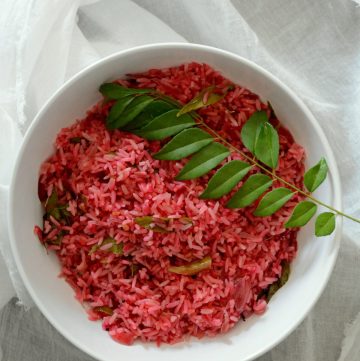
(267,145)
(52,201)
(115,248)
(149,223)
(302,214)
(76,140)
(133,269)
(193,267)
(155,116)
(56,241)
(117,91)
(165,125)
(105,310)
(203,161)
(118,108)
(250,129)
(144,221)
(324,224)
(184,144)
(204,98)
(273,201)
(280,282)
(136,106)
(156,108)
(251,190)
(225,179)
(285,274)
(316,175)
(160,224)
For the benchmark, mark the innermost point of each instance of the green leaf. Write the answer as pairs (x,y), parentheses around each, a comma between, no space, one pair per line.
(115,248)
(160,224)
(117,109)
(301,215)
(225,179)
(55,213)
(156,108)
(51,202)
(183,144)
(116,91)
(165,125)
(57,241)
(267,145)
(316,175)
(273,201)
(203,161)
(144,221)
(324,224)
(203,99)
(135,107)
(251,190)
(65,215)
(250,129)
(157,225)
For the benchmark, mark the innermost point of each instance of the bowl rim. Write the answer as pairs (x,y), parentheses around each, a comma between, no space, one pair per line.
(337,193)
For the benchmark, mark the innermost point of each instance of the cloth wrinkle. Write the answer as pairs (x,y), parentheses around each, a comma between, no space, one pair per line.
(311,46)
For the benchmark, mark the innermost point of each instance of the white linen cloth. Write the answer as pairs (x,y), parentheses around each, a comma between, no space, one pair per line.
(313,46)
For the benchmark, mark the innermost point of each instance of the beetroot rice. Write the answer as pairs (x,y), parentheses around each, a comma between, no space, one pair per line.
(108,178)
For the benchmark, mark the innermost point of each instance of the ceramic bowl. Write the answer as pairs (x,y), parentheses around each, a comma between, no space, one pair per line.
(55,298)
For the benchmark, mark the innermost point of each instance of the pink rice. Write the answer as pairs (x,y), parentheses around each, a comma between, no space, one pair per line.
(110,178)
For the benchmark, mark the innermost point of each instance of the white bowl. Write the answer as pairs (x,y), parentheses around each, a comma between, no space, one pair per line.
(310,270)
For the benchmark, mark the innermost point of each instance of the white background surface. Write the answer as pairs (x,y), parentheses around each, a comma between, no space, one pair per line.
(313,46)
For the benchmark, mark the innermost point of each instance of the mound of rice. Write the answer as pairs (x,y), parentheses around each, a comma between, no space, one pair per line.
(104,180)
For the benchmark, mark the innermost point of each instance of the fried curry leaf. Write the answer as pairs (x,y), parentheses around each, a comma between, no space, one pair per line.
(160,224)
(193,267)
(104,310)
(280,282)
(116,248)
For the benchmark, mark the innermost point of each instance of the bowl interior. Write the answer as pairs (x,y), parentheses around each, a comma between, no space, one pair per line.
(39,270)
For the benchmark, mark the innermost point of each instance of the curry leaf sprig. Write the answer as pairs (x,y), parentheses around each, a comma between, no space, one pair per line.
(154,116)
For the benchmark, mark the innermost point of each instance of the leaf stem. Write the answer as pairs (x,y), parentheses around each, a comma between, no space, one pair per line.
(272,173)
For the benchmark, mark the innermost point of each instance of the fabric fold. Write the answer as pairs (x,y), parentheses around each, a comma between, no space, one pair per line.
(314,47)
